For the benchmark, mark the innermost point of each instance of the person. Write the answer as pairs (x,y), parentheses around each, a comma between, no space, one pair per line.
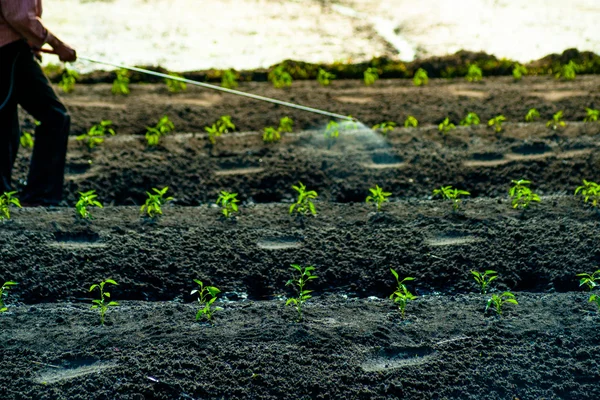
(22,82)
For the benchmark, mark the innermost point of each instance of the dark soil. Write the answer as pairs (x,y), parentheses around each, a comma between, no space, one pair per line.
(351,345)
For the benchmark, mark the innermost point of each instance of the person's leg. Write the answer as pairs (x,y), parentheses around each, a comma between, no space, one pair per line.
(35,94)
(9,118)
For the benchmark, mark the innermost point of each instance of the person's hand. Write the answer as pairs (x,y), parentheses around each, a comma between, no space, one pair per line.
(65,52)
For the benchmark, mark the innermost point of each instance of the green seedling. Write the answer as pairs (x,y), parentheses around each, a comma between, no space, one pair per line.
(589,191)
(568,72)
(532,115)
(377,196)
(371,75)
(332,130)
(280,77)
(592,115)
(207,295)
(154,202)
(452,194)
(305,274)
(271,135)
(286,124)
(6,200)
(221,126)
(518,72)
(484,279)
(304,204)
(411,122)
(446,126)
(324,78)
(522,196)
(556,121)
(590,281)
(496,123)
(7,286)
(26,140)
(104,302)
(499,300)
(162,128)
(402,295)
(474,73)
(421,78)
(470,119)
(384,127)
(228,202)
(121,83)
(87,199)
(229,79)
(95,136)
(175,86)
(68,80)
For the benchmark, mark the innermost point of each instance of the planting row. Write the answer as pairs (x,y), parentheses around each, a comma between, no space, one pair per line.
(520,193)
(207,295)
(97,133)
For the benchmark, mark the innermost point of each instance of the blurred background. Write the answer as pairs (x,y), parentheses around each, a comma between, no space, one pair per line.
(185,35)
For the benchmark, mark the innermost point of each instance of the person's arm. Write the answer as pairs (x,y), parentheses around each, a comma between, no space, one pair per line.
(21,16)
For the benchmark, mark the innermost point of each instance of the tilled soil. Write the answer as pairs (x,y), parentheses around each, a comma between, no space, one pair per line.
(447,348)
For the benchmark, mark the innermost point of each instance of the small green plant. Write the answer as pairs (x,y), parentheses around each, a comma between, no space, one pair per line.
(496,123)
(228,202)
(271,135)
(402,295)
(522,196)
(474,73)
(592,115)
(497,301)
(221,126)
(162,128)
(591,281)
(305,274)
(26,140)
(518,72)
(411,122)
(324,78)
(175,86)
(377,196)
(6,286)
(207,295)
(229,79)
(470,119)
(304,204)
(332,130)
(589,191)
(121,83)
(484,279)
(6,200)
(286,124)
(68,80)
(421,78)
(87,199)
(104,302)
(280,77)
(95,136)
(452,194)
(532,115)
(556,121)
(154,202)
(446,126)
(385,127)
(371,75)
(568,72)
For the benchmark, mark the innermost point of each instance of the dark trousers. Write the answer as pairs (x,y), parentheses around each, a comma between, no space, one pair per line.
(33,92)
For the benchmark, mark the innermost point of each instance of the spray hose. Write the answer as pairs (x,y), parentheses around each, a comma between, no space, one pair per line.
(215,87)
